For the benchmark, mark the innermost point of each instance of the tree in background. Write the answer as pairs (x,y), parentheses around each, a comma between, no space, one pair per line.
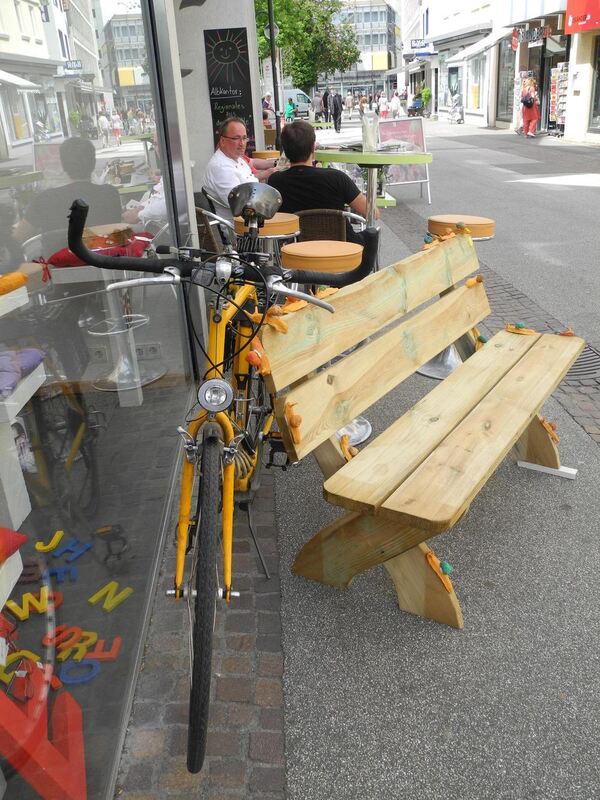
(311,43)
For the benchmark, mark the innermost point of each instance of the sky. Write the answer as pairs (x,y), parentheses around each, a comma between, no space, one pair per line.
(112,7)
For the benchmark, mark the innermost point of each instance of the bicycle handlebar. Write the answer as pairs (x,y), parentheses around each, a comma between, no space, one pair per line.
(78,215)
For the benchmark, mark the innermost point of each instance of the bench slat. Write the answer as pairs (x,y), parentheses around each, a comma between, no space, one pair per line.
(333,397)
(314,336)
(369,479)
(463,462)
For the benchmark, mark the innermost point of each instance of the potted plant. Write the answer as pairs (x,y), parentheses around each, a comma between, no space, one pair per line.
(426,98)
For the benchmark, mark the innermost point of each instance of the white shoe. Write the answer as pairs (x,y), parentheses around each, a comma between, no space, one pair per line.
(532,135)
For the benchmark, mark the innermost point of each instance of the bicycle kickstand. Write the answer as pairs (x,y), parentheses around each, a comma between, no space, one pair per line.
(247,505)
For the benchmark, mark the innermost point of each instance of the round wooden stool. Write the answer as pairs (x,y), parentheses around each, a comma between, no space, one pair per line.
(322,256)
(481,227)
(280,225)
(266,154)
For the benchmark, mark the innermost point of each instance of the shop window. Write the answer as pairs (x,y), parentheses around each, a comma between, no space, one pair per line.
(506,81)
(474,81)
(595,107)
(17,115)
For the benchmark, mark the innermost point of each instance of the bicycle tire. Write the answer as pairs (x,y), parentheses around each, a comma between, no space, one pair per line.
(207,532)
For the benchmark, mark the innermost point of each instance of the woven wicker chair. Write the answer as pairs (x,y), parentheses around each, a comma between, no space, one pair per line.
(326,223)
(208,232)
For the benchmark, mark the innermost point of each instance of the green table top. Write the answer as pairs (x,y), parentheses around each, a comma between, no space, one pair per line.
(372,159)
(137,188)
(20,179)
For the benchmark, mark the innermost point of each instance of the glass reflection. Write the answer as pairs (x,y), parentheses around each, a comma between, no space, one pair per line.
(92,387)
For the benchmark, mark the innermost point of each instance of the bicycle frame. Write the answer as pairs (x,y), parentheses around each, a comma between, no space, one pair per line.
(216,353)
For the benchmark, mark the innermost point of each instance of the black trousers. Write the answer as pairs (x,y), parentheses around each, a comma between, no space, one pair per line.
(337,122)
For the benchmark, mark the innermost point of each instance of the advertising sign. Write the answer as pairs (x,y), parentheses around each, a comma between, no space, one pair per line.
(407,136)
(228,70)
(582,15)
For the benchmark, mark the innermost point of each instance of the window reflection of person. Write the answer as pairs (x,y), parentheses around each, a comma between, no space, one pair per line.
(49,210)
(151,211)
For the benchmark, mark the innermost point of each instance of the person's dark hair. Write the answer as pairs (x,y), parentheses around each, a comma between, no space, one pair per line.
(78,158)
(224,125)
(297,140)
(265,114)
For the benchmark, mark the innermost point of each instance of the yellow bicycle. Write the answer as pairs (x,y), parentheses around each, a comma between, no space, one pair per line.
(224,441)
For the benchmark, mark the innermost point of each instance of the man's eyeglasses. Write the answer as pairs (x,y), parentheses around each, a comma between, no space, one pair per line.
(236,138)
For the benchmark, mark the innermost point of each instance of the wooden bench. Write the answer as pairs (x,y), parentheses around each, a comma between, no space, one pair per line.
(420,476)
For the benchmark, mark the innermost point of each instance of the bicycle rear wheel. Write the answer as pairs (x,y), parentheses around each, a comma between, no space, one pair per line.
(204,581)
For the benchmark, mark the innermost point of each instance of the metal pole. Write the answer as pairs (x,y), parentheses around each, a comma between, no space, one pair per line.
(275,81)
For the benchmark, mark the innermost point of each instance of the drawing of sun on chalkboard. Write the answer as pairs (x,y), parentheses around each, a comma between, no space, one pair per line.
(226,55)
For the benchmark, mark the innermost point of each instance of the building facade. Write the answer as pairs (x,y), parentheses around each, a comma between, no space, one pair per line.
(125,59)
(376,26)
(479,57)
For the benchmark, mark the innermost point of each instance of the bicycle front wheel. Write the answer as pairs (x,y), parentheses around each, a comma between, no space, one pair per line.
(205,584)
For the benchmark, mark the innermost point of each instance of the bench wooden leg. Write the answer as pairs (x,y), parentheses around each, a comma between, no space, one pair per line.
(537,451)
(537,447)
(352,544)
(420,591)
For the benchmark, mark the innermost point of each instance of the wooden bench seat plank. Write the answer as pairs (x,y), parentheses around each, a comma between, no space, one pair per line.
(331,398)
(380,468)
(463,462)
(314,336)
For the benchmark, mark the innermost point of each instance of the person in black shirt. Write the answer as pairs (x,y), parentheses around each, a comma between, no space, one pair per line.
(49,210)
(304,186)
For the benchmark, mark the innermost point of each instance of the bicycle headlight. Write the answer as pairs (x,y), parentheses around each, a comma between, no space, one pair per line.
(215,395)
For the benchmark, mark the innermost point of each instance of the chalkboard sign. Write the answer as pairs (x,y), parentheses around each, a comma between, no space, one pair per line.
(229,86)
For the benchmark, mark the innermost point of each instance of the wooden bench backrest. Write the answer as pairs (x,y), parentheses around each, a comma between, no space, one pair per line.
(315,336)
(329,399)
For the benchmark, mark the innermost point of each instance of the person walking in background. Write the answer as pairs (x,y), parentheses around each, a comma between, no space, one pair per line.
(363,105)
(117,124)
(395,105)
(290,111)
(317,105)
(530,104)
(335,109)
(349,103)
(382,106)
(104,128)
(325,104)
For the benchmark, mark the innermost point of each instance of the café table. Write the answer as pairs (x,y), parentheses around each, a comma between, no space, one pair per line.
(371,161)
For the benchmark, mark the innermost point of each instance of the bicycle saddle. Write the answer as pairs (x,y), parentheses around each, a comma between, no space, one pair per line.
(254,201)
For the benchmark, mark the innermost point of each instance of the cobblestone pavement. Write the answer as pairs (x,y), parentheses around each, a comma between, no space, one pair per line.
(245,754)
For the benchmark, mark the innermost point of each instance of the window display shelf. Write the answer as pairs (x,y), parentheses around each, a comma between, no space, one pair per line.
(26,388)
(15,299)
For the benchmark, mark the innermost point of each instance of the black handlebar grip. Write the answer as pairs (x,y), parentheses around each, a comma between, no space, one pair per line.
(339,279)
(77,217)
(163,249)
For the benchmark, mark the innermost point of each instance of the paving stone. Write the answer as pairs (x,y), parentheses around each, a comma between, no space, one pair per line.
(267,779)
(236,664)
(244,622)
(269,692)
(241,716)
(270,664)
(271,719)
(223,744)
(236,690)
(146,743)
(267,747)
(227,772)
(269,623)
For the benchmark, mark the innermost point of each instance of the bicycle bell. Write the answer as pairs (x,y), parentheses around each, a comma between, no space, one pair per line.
(254,201)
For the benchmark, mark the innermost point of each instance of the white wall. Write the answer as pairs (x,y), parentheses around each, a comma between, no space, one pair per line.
(191,24)
(511,12)
(579,99)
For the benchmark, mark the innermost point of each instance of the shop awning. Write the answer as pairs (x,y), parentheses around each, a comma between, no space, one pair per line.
(20,83)
(416,66)
(479,47)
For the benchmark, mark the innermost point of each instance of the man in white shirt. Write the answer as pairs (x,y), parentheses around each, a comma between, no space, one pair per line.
(229,166)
